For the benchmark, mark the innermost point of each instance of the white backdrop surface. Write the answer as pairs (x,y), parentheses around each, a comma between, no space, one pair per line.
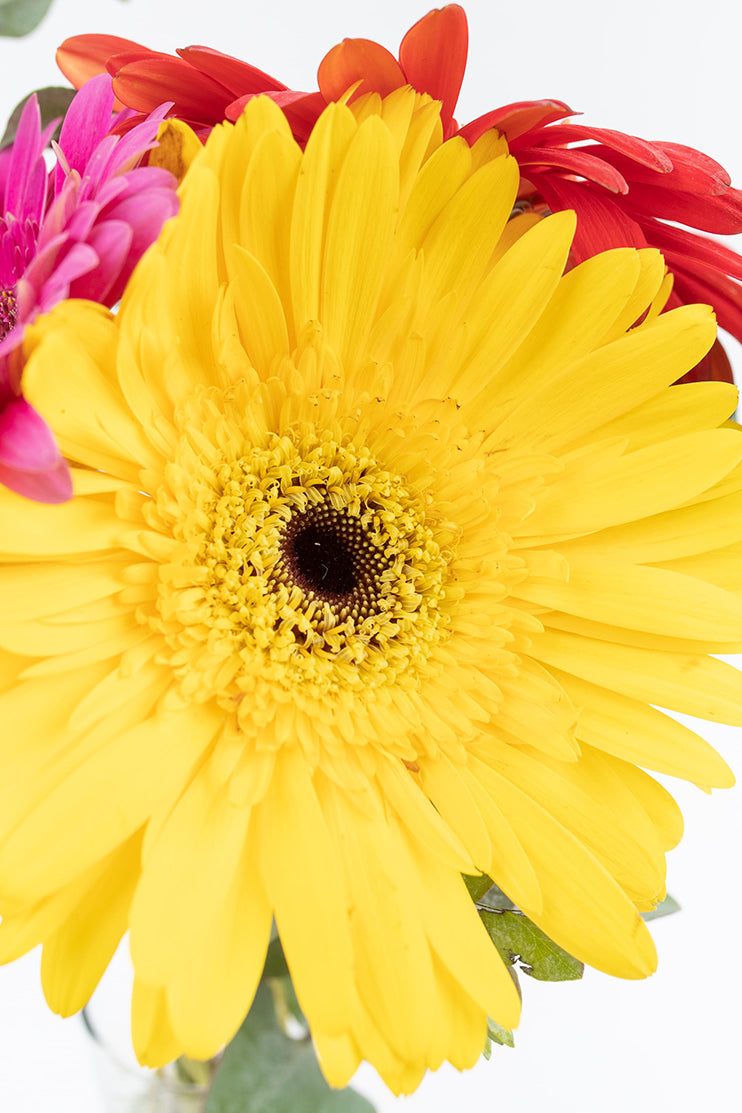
(660,70)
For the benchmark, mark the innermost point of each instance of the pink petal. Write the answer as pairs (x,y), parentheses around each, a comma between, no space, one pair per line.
(47,279)
(138,139)
(26,441)
(111,241)
(145,214)
(87,121)
(51,486)
(26,180)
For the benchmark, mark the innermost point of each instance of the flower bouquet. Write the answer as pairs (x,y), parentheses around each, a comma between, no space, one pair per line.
(370,486)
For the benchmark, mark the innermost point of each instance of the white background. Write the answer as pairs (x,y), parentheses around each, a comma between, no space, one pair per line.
(660,70)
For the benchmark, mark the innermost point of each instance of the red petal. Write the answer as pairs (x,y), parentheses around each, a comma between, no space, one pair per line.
(235,75)
(714,367)
(83,56)
(575,161)
(721,215)
(361,60)
(433,56)
(125,57)
(638,150)
(690,171)
(300,109)
(703,284)
(515,120)
(145,84)
(601,224)
(690,246)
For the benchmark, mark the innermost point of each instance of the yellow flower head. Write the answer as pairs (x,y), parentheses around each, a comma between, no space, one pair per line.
(385,539)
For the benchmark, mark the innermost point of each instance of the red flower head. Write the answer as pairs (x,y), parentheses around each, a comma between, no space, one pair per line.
(623,189)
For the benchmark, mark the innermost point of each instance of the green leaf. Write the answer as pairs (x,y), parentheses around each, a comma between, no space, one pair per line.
(477,885)
(494,900)
(54,101)
(264,1071)
(18,17)
(497,1034)
(664,908)
(275,961)
(519,941)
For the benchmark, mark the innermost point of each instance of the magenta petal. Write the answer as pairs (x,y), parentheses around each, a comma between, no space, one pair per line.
(26,441)
(141,138)
(30,462)
(5,158)
(87,120)
(111,241)
(52,486)
(26,174)
(48,278)
(145,215)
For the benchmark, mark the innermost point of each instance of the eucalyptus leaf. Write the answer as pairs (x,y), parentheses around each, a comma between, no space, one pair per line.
(54,100)
(264,1071)
(494,900)
(497,1034)
(520,942)
(664,908)
(477,885)
(275,961)
(19,17)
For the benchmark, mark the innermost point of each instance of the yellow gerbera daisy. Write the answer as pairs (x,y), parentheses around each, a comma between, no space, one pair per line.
(385,537)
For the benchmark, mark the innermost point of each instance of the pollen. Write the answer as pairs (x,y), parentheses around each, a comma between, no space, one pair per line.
(8,312)
(303,565)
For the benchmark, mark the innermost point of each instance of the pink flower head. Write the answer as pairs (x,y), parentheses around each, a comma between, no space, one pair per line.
(75,231)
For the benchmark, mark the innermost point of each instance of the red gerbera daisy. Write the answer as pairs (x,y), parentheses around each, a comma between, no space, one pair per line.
(623,189)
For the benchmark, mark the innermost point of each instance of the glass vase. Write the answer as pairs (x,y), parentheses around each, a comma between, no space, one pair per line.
(126,1087)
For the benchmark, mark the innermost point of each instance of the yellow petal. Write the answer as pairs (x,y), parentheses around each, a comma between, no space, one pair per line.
(582,394)
(181,893)
(646,482)
(360,223)
(76,955)
(209,1000)
(304,879)
(46,850)
(584,909)
(641,598)
(696,685)
(638,733)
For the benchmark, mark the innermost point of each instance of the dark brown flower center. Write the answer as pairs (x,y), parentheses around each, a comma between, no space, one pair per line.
(329,555)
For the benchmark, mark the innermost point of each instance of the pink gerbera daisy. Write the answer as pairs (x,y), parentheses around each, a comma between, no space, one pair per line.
(77,230)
